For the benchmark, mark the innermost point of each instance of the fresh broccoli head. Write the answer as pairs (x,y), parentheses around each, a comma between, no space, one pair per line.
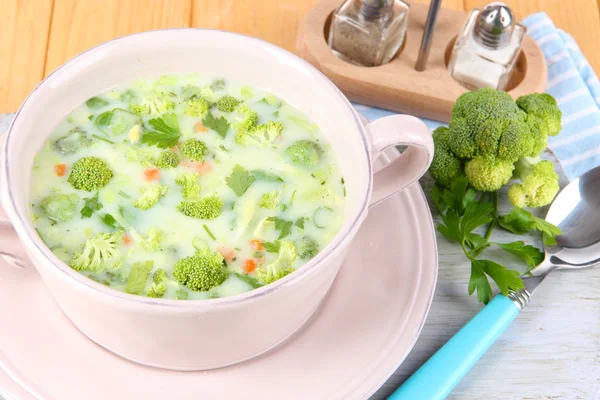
(150,196)
(97,252)
(75,140)
(167,159)
(308,248)
(227,103)
(196,107)
(282,266)
(480,122)
(207,207)
(488,174)
(270,200)
(539,184)
(194,149)
(89,174)
(445,166)
(189,187)
(202,271)
(60,207)
(304,153)
(489,133)
(545,107)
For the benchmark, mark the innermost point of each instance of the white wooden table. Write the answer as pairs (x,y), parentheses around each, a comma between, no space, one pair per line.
(551,351)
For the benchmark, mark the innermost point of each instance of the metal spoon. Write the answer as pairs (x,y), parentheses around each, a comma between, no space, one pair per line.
(576,211)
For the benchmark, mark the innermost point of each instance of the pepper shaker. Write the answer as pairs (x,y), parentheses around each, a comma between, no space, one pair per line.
(487,48)
(368,32)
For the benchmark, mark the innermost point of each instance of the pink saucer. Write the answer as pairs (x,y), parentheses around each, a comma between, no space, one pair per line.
(362,332)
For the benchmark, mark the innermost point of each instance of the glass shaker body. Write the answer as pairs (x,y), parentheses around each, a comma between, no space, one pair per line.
(476,66)
(368,32)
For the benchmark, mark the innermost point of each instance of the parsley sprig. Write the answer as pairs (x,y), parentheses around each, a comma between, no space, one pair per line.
(463,210)
(166,132)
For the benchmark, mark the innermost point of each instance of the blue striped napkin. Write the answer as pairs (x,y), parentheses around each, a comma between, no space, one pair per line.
(572,81)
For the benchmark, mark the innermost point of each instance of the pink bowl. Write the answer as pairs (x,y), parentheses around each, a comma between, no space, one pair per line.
(195,335)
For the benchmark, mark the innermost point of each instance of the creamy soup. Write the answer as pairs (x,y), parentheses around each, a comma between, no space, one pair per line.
(186,187)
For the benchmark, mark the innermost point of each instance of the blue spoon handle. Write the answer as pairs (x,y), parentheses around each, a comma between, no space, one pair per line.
(442,372)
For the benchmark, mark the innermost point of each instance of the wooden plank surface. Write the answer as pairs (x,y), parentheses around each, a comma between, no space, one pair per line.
(24,27)
(78,25)
(36,36)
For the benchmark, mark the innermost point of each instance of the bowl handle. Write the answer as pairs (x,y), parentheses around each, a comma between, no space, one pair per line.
(399,130)
(8,251)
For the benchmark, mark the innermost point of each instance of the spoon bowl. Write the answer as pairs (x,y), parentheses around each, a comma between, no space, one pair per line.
(576,211)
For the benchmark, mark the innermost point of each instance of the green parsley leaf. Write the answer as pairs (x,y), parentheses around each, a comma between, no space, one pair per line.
(438,199)
(547,228)
(219,125)
(181,294)
(250,280)
(240,180)
(91,204)
(476,214)
(96,102)
(283,226)
(451,226)
(166,132)
(265,176)
(517,221)
(548,240)
(300,222)
(140,271)
(110,221)
(505,279)
(272,247)
(479,282)
(531,255)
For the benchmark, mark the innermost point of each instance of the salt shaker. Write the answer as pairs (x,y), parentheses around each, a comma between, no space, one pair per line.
(368,32)
(487,48)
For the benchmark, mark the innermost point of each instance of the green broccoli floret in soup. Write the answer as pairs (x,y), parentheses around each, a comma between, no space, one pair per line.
(227,104)
(202,271)
(150,196)
(60,207)
(305,153)
(89,174)
(194,149)
(282,266)
(307,248)
(97,253)
(73,141)
(196,107)
(208,207)
(167,159)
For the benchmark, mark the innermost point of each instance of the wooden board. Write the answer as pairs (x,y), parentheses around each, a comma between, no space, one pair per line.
(79,25)
(24,27)
(397,85)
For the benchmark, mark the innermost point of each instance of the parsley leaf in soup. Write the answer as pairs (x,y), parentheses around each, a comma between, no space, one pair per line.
(240,180)
(166,132)
(283,226)
(272,247)
(136,282)
(110,221)
(91,204)
(265,176)
(96,102)
(219,125)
